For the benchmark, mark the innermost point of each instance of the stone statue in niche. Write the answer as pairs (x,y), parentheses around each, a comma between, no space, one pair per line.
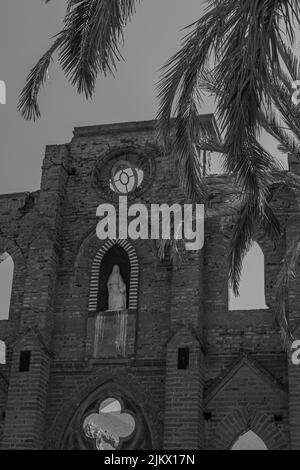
(116,290)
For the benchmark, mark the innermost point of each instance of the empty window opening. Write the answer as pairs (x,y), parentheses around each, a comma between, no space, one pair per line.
(6,280)
(2,92)
(252,283)
(183,358)
(2,352)
(213,163)
(24,364)
(249,441)
(109,427)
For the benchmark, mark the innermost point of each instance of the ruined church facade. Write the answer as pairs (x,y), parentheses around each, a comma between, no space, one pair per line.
(177,366)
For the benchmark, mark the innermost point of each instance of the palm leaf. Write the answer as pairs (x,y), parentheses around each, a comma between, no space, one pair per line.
(28,104)
(244,38)
(248,220)
(95,28)
(285,275)
(89,44)
(290,60)
(288,144)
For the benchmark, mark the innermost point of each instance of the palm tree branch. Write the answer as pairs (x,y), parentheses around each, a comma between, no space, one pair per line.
(28,104)
(286,273)
(251,216)
(95,28)
(287,143)
(88,44)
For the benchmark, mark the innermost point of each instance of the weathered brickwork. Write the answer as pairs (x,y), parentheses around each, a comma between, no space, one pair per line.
(237,377)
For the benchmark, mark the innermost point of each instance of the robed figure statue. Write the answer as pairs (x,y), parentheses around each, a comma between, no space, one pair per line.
(116,290)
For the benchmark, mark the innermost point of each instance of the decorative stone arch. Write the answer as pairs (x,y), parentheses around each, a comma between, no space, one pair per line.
(110,380)
(134,273)
(239,421)
(84,246)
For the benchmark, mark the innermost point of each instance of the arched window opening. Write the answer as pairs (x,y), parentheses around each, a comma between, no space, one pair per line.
(116,256)
(2,352)
(6,281)
(252,283)
(249,441)
(109,426)
(107,420)
(213,163)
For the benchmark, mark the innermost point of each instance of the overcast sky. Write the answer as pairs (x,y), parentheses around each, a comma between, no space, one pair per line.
(25,31)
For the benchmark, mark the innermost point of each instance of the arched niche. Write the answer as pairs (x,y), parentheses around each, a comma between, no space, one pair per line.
(112,333)
(112,252)
(116,255)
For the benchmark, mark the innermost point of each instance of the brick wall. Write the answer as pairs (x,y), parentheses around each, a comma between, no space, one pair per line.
(236,364)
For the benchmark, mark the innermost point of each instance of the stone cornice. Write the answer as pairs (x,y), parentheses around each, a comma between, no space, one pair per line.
(134,126)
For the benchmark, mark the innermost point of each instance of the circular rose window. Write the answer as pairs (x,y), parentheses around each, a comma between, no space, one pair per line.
(125,177)
(125,171)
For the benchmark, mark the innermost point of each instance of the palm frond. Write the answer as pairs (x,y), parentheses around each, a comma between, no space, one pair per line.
(241,242)
(89,44)
(288,180)
(284,114)
(182,73)
(172,247)
(243,37)
(187,148)
(208,83)
(93,34)
(28,104)
(290,113)
(249,219)
(285,275)
(175,70)
(288,144)
(291,61)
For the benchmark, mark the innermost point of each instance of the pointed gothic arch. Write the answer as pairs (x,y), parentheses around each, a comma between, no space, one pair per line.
(117,383)
(133,278)
(238,422)
(252,282)
(249,441)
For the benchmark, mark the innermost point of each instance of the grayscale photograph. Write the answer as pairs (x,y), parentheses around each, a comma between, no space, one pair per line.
(149,227)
